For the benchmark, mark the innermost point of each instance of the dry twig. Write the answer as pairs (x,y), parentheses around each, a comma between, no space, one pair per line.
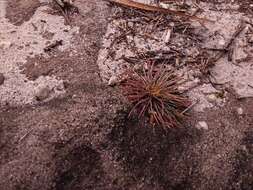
(65,8)
(142,6)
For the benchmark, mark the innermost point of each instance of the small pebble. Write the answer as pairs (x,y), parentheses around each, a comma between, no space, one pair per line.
(113,81)
(202,125)
(5,44)
(43,94)
(212,98)
(2,78)
(239,111)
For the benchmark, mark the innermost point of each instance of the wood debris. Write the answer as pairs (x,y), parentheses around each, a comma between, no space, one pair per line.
(142,6)
(53,45)
(66,7)
(139,33)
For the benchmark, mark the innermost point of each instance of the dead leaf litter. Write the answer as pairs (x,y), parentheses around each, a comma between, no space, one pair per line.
(212,56)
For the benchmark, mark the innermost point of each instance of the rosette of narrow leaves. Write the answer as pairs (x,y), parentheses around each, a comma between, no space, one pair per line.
(154,94)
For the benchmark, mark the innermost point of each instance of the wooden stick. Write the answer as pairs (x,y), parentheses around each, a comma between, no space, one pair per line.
(142,6)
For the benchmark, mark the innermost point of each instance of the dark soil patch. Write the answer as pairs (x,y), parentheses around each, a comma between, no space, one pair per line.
(82,162)
(243,165)
(156,159)
(19,11)
(186,158)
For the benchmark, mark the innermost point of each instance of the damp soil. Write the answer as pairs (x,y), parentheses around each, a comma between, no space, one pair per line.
(19,11)
(84,140)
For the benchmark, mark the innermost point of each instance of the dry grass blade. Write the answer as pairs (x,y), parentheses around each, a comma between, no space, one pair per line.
(152,8)
(66,8)
(62,7)
(154,93)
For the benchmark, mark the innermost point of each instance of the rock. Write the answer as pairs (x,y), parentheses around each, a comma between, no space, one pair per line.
(202,125)
(221,42)
(2,78)
(212,98)
(239,111)
(43,94)
(5,44)
(240,55)
(113,81)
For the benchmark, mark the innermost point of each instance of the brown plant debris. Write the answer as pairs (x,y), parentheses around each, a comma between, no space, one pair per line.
(142,6)
(142,35)
(66,8)
(53,45)
(154,94)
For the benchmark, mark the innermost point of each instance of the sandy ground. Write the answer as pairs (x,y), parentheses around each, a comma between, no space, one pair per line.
(62,126)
